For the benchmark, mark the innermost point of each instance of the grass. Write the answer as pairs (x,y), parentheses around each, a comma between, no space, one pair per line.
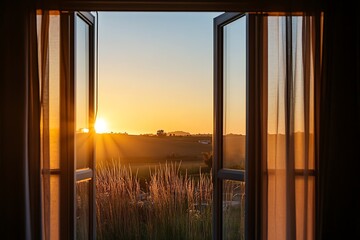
(170,206)
(233,210)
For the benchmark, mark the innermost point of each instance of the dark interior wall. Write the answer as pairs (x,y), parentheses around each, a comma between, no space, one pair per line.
(183,5)
(340,125)
(14,195)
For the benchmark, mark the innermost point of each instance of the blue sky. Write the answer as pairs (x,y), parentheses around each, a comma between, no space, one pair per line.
(156,71)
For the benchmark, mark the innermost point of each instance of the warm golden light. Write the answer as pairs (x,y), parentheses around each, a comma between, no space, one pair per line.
(100,126)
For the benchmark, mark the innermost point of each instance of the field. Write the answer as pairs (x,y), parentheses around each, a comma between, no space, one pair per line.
(140,151)
(137,149)
(145,153)
(151,187)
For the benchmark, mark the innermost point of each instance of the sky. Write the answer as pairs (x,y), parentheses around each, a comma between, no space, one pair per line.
(156,71)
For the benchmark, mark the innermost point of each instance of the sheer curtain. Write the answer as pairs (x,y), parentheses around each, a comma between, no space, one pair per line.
(48,32)
(290,140)
(43,60)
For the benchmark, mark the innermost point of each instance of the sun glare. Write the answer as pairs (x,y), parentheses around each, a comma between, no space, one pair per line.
(100,126)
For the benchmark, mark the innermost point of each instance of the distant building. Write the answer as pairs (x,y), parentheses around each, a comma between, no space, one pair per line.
(204,141)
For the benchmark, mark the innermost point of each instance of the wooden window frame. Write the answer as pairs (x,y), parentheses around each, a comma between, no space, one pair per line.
(69,176)
(256,125)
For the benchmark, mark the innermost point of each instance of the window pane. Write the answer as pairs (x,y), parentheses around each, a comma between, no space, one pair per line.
(54,207)
(305,213)
(233,210)
(234,130)
(82,137)
(82,209)
(54,92)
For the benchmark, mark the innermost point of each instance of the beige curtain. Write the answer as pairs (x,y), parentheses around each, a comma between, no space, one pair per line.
(48,29)
(290,141)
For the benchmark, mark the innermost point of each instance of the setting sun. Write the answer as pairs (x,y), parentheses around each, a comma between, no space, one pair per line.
(100,126)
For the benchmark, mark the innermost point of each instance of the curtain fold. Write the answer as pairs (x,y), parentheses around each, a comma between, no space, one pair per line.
(48,32)
(43,56)
(290,141)
(34,131)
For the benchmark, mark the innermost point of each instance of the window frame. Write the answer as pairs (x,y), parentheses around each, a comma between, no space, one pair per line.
(220,174)
(257,104)
(69,175)
(183,5)
(256,125)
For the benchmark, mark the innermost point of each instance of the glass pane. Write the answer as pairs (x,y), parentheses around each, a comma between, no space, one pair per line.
(53,94)
(82,139)
(305,207)
(54,207)
(82,209)
(233,210)
(234,130)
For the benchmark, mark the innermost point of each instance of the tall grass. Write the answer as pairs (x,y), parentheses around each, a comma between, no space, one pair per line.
(233,210)
(170,205)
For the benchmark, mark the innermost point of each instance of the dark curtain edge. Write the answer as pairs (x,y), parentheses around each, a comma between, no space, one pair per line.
(44,101)
(15,168)
(339,124)
(34,131)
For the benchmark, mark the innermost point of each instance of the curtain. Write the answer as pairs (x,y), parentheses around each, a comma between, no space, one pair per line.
(290,141)
(339,124)
(34,132)
(20,207)
(48,32)
(43,57)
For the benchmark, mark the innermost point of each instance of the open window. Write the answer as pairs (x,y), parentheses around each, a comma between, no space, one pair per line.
(77,191)
(264,168)
(255,80)
(233,161)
